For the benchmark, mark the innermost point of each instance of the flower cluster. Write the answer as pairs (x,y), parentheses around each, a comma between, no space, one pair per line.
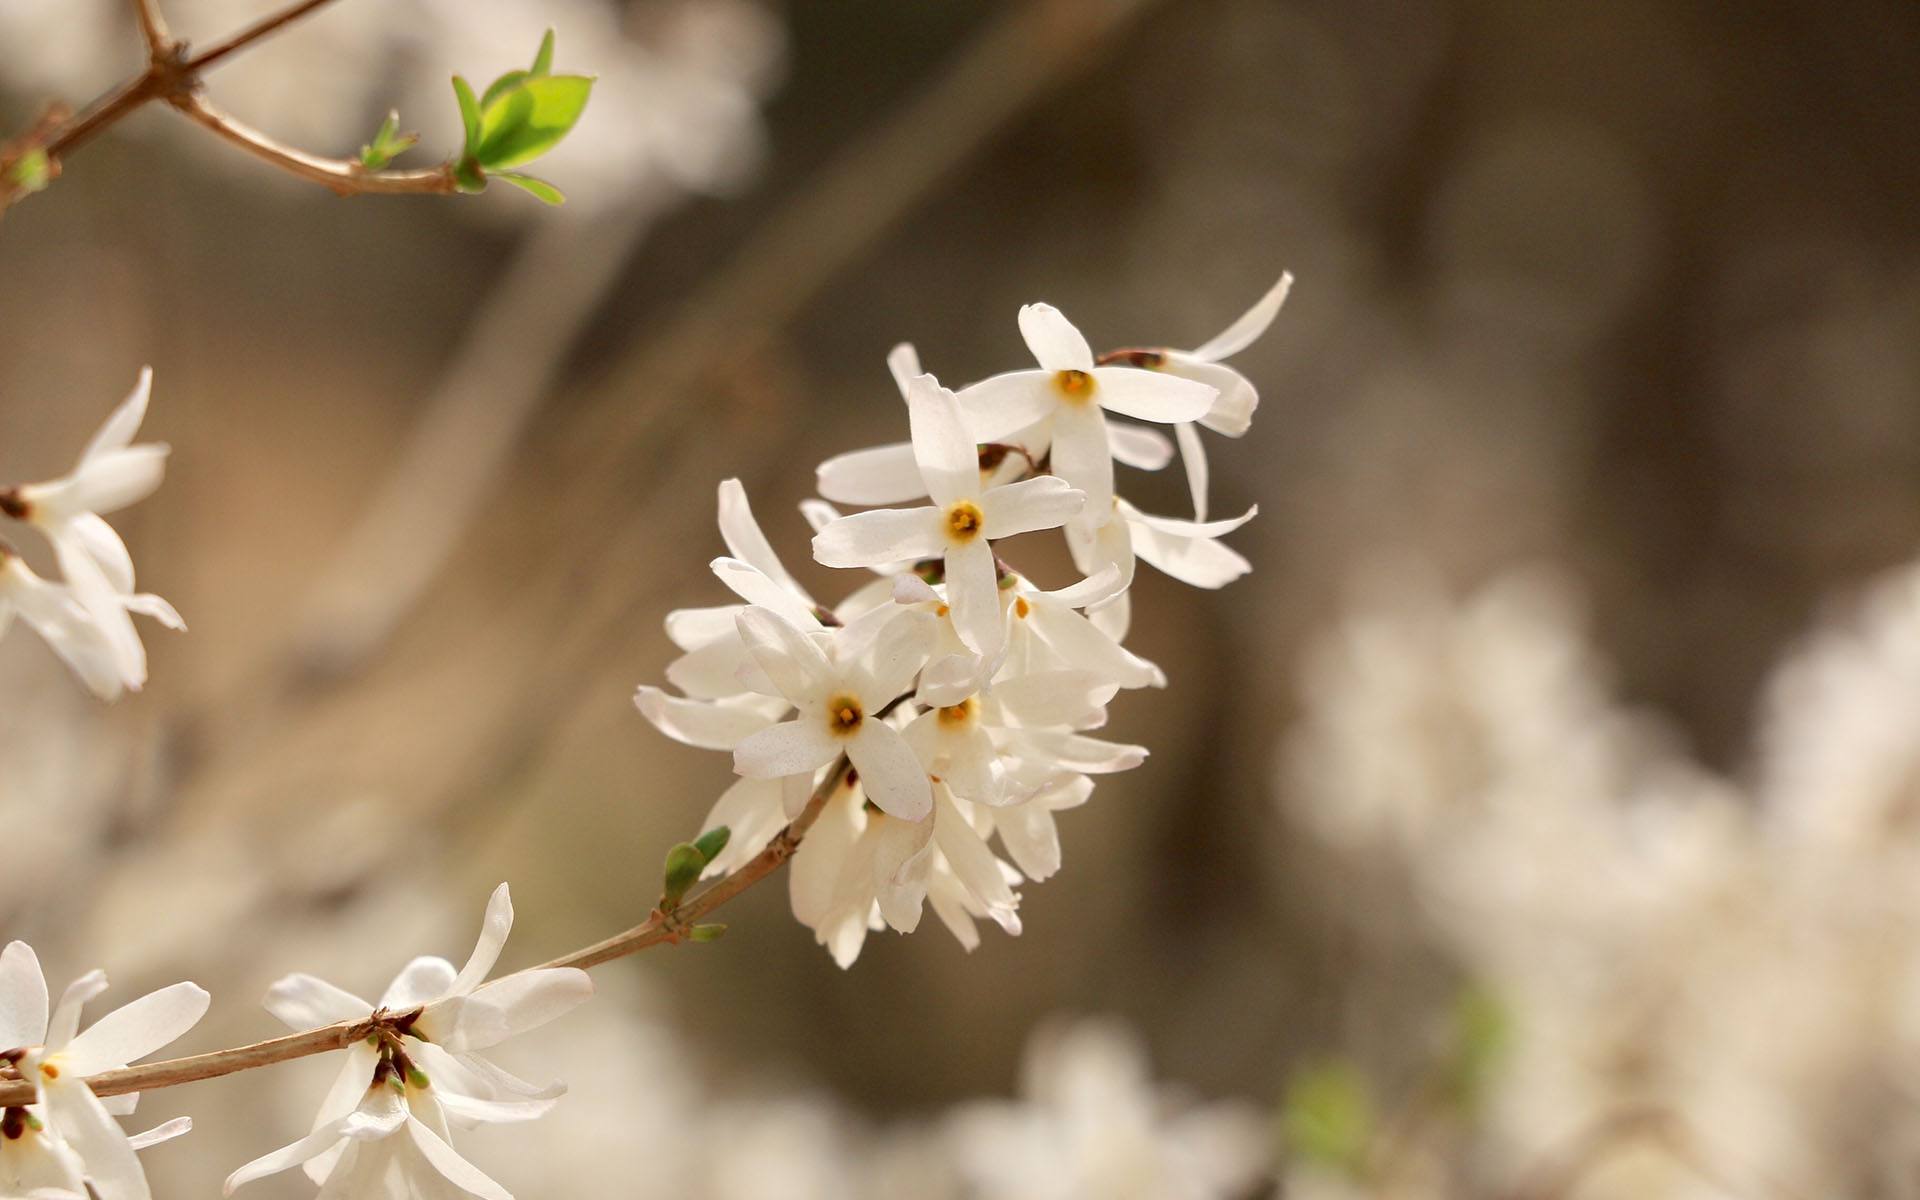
(949,699)
(87,617)
(67,1145)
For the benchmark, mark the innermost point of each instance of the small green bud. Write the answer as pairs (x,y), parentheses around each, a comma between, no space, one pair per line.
(711,843)
(1327,1116)
(706,933)
(416,1078)
(468,177)
(31,172)
(684,864)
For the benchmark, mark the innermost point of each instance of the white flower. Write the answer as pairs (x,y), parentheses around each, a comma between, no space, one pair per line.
(962,742)
(1232,412)
(57,617)
(422,1072)
(839,705)
(1062,406)
(1092,1123)
(1045,630)
(76,1131)
(960,522)
(111,474)
(1187,550)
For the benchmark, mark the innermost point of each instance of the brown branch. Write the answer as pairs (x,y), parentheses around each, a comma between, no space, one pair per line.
(172,76)
(667,926)
(251,34)
(153,27)
(345,177)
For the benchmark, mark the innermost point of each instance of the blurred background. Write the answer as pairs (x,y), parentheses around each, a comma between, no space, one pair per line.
(1585,437)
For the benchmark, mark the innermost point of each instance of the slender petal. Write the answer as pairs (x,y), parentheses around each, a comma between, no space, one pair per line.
(118,429)
(1080,457)
(890,773)
(946,455)
(754,586)
(1005,404)
(710,726)
(789,749)
(903,362)
(1249,326)
(305,1002)
(1055,343)
(1138,446)
(1045,502)
(486,951)
(744,539)
(23,998)
(113,1170)
(878,475)
(1194,454)
(795,665)
(137,1030)
(973,589)
(1152,395)
(1054,697)
(65,1021)
(427,977)
(884,535)
(898,654)
(508,1006)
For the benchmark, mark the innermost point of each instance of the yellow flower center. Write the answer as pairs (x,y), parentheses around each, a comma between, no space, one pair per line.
(961,713)
(1020,606)
(964,521)
(1073,385)
(844,715)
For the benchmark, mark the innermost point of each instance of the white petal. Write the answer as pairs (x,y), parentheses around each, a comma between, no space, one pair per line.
(113,1170)
(1138,446)
(1079,753)
(111,480)
(149,605)
(710,726)
(713,671)
(106,548)
(1152,395)
(946,455)
(693,628)
(292,1155)
(427,977)
(1200,561)
(795,665)
(23,998)
(305,1002)
(65,1020)
(472,1110)
(136,1030)
(884,535)
(118,429)
(792,748)
(744,539)
(512,1005)
(890,773)
(1080,457)
(486,950)
(1045,502)
(1194,454)
(461,1173)
(1233,409)
(903,363)
(1080,643)
(1005,404)
(753,811)
(1055,343)
(816,864)
(973,767)
(1250,325)
(911,589)
(975,865)
(1102,585)
(898,654)
(973,590)
(1175,527)
(1054,697)
(754,586)
(165,1131)
(878,475)
(1032,839)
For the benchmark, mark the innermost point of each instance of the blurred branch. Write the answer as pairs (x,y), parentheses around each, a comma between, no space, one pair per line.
(175,78)
(662,926)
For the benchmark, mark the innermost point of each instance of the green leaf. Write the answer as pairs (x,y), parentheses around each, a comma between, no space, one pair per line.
(684,864)
(543,61)
(529,119)
(1328,1116)
(706,933)
(469,112)
(468,177)
(712,842)
(388,143)
(539,188)
(509,80)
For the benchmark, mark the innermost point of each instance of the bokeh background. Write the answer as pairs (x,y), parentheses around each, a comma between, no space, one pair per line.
(1631,290)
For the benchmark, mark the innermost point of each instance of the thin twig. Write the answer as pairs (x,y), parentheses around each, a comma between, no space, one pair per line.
(660,927)
(153,27)
(344,176)
(251,34)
